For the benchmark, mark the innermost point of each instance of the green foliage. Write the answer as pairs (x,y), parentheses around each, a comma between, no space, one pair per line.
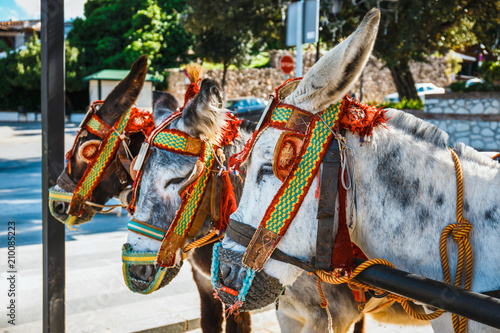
(490,71)
(485,87)
(457,86)
(261,60)
(404,104)
(26,66)
(453,63)
(115,33)
(229,31)
(411,30)
(486,18)
(22,76)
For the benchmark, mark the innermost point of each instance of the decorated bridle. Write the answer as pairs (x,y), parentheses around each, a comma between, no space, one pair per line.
(201,194)
(99,154)
(307,141)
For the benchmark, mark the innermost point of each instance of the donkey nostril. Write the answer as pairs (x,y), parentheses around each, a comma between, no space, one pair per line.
(148,271)
(60,207)
(142,272)
(225,271)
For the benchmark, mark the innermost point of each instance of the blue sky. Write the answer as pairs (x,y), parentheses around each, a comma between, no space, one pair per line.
(30,9)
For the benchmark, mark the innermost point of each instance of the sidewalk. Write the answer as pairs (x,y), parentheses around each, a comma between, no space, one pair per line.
(97,299)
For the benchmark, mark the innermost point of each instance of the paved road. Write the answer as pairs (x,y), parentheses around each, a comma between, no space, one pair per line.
(20,188)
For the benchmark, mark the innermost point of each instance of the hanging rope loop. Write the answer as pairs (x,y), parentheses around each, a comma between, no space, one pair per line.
(459,231)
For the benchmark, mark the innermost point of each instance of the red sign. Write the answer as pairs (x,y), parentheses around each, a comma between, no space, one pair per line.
(286,64)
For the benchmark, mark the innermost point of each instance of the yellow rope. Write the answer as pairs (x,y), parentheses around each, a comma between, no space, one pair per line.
(207,239)
(460,233)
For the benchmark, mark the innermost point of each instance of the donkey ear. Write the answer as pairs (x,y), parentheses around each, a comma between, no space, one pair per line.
(125,93)
(164,105)
(330,78)
(204,115)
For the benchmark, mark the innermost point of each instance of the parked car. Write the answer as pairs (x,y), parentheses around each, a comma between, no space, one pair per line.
(471,82)
(250,108)
(422,90)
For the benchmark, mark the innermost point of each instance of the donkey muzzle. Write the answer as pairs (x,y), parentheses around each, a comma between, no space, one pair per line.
(231,284)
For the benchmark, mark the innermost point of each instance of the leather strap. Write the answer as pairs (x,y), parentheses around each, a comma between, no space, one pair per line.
(242,234)
(326,206)
(215,200)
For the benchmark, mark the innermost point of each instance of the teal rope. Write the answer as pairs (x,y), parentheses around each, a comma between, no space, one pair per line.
(214,269)
(247,283)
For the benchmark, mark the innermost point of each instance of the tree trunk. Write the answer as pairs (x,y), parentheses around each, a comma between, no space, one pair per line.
(224,72)
(403,79)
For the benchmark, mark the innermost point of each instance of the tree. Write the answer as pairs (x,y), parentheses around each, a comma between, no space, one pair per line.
(115,33)
(21,73)
(229,31)
(486,26)
(414,29)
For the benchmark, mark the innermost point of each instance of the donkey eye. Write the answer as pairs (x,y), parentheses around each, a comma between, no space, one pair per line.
(174,181)
(265,169)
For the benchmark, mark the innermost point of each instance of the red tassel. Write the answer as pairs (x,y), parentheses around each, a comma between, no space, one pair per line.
(230,130)
(193,72)
(227,202)
(192,90)
(140,120)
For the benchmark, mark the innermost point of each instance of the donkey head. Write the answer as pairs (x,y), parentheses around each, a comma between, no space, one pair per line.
(164,174)
(115,177)
(325,84)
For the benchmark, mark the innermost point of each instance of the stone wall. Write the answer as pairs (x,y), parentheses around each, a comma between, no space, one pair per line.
(471,118)
(260,82)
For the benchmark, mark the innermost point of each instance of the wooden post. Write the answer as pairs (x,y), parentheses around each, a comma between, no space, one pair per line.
(52,59)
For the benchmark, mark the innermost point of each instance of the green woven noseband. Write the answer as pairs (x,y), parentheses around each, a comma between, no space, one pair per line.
(162,277)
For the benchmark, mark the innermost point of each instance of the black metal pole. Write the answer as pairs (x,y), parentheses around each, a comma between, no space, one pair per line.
(475,306)
(52,59)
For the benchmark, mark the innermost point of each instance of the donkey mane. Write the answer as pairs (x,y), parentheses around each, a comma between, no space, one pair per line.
(417,128)
(428,132)
(470,154)
(205,114)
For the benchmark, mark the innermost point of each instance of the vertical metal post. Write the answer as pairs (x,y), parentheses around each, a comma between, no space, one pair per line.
(52,59)
(300,28)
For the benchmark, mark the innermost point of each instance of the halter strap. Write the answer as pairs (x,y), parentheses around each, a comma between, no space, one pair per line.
(132,121)
(94,171)
(289,197)
(178,142)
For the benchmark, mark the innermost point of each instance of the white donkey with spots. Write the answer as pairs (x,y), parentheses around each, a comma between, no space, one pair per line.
(404,189)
